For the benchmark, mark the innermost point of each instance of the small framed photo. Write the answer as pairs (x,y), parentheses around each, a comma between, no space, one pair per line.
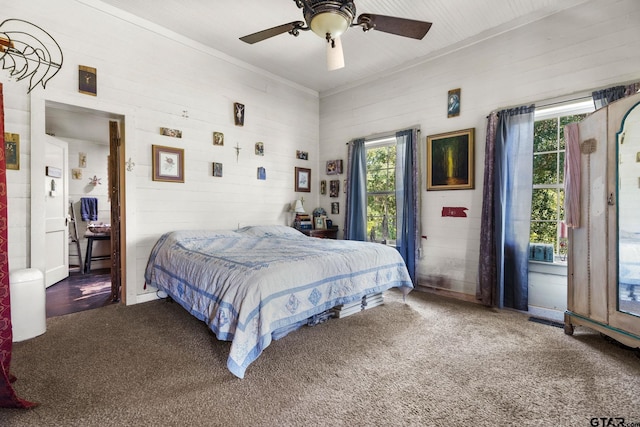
(76,173)
(167,163)
(334,167)
(218,138)
(450,158)
(453,103)
(320,222)
(217,170)
(334,188)
(87,80)
(302,180)
(302,155)
(173,133)
(238,114)
(12,150)
(262,173)
(335,208)
(323,186)
(259,149)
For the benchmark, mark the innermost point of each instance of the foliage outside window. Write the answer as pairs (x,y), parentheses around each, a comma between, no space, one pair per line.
(381,193)
(547,207)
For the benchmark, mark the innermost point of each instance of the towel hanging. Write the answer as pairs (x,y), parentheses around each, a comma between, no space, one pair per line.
(89,208)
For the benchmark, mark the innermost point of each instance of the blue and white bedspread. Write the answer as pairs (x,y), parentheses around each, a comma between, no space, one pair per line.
(259,283)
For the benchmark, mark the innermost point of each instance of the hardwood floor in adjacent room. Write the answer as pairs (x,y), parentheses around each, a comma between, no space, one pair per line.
(79,292)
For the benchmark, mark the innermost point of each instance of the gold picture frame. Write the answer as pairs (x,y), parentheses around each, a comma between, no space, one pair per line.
(12,151)
(167,163)
(450,160)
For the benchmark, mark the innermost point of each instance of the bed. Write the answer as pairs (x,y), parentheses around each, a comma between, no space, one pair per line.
(259,283)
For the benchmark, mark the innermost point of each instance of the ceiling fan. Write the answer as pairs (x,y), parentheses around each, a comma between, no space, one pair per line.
(331,18)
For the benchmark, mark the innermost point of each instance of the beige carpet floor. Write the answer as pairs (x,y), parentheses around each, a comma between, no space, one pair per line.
(430,361)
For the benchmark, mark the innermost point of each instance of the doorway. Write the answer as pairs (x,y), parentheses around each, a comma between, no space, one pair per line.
(94,174)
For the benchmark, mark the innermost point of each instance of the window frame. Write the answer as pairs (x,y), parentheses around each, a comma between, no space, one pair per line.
(388,142)
(557,112)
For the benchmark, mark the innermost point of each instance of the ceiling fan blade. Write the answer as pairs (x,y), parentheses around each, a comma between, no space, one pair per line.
(398,26)
(293,27)
(335,55)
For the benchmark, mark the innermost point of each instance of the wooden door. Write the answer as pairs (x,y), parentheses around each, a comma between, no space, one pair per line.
(56,239)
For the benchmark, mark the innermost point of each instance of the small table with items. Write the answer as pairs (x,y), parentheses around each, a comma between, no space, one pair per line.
(330,233)
(91,237)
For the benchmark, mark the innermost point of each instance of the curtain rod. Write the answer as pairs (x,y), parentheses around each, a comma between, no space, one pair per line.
(581,98)
(386,134)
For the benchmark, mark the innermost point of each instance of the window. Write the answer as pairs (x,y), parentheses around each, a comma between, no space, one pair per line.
(381,191)
(547,207)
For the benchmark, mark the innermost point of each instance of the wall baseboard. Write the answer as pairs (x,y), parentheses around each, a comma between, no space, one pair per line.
(447,293)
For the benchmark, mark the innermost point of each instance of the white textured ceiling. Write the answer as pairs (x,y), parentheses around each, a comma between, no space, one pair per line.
(219,24)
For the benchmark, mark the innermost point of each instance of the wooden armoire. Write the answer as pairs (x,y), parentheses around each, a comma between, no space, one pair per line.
(604,251)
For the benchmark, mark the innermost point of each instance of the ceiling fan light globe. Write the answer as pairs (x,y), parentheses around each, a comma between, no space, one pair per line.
(332,23)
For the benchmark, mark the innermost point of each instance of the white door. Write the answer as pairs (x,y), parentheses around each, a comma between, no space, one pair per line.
(56,211)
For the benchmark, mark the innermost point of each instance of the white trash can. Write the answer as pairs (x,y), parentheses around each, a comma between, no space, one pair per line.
(28,309)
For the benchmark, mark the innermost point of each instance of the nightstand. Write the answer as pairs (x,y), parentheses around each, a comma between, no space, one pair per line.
(331,233)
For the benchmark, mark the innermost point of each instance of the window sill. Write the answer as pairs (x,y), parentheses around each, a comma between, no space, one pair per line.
(558,268)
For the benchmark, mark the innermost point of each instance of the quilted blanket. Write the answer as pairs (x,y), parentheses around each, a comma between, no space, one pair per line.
(257,284)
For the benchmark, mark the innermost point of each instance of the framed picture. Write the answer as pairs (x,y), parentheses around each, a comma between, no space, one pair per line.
(12,150)
(319,222)
(302,155)
(334,187)
(87,80)
(334,167)
(453,103)
(218,138)
(335,208)
(217,170)
(303,180)
(259,149)
(173,133)
(167,163)
(238,113)
(262,173)
(450,158)
(323,187)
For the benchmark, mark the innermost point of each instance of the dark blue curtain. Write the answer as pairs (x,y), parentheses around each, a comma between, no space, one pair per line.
(512,204)
(407,240)
(356,212)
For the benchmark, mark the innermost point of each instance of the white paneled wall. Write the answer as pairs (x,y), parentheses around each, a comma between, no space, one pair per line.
(155,81)
(565,55)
